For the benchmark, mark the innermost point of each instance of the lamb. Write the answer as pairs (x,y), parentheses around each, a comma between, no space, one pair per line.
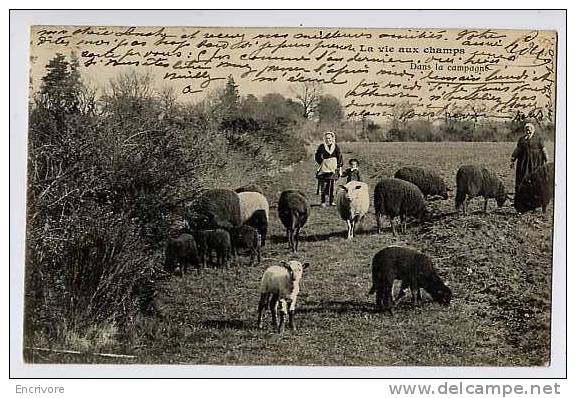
(213,240)
(413,268)
(394,197)
(181,252)
(246,238)
(472,181)
(254,211)
(293,211)
(215,208)
(280,284)
(536,190)
(353,201)
(429,182)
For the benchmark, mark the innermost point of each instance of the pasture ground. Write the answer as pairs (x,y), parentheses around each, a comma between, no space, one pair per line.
(498,265)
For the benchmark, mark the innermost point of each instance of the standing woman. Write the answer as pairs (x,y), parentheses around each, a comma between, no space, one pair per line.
(329,160)
(528,155)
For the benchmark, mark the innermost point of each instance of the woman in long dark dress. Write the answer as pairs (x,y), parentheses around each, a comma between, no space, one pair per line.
(528,155)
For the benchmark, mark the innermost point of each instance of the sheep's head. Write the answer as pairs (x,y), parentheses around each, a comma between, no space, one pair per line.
(351,190)
(443,190)
(439,291)
(295,269)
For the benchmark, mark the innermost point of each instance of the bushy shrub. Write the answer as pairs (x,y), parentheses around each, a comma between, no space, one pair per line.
(108,179)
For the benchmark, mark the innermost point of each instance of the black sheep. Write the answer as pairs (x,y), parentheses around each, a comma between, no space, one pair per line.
(536,190)
(293,211)
(181,252)
(413,268)
(215,208)
(429,182)
(213,241)
(394,197)
(246,239)
(473,181)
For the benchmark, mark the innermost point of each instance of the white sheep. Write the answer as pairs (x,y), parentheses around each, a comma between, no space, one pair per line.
(353,201)
(280,284)
(254,209)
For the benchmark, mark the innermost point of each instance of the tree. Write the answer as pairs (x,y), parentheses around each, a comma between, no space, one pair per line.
(230,100)
(308,95)
(329,110)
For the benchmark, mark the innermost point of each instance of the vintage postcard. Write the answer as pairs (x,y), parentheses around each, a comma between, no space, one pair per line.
(314,196)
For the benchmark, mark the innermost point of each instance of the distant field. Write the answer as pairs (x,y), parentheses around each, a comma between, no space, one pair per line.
(498,266)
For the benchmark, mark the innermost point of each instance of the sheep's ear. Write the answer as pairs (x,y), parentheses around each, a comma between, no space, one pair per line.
(305,265)
(343,187)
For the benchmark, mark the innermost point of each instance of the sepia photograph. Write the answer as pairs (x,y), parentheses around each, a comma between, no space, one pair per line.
(315,196)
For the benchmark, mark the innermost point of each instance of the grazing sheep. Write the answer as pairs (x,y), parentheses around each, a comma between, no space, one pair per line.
(250,188)
(214,241)
(180,253)
(293,211)
(353,201)
(536,190)
(280,284)
(413,268)
(254,211)
(429,182)
(472,181)
(245,238)
(215,208)
(394,197)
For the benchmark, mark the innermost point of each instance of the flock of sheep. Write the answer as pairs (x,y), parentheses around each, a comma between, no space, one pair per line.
(228,223)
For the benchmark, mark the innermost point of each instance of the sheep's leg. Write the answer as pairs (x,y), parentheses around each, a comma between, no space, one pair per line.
(415,294)
(349,226)
(291,323)
(296,239)
(252,255)
(380,299)
(392,225)
(291,240)
(262,307)
(274,310)
(385,293)
(418,295)
(378,228)
(258,252)
(485,205)
(283,311)
(403,223)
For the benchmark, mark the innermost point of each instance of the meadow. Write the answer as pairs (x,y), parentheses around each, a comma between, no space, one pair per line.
(498,266)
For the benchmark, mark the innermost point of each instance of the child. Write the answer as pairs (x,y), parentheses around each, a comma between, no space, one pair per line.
(352,173)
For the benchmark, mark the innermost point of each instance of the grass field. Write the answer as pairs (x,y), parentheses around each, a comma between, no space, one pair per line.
(498,266)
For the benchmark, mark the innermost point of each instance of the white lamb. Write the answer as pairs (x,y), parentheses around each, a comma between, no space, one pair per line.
(281,284)
(353,201)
